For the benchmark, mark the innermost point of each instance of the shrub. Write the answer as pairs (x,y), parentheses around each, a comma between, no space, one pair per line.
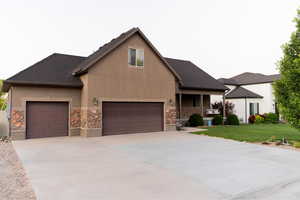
(232,120)
(296,144)
(196,120)
(273,139)
(217,120)
(259,119)
(251,119)
(271,118)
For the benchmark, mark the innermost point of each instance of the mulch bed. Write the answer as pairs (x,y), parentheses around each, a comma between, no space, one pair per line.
(273,144)
(14,184)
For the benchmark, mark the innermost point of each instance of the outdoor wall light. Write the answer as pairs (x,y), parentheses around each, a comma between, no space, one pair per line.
(170,102)
(95,101)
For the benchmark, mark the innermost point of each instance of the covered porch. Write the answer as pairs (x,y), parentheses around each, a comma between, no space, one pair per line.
(189,102)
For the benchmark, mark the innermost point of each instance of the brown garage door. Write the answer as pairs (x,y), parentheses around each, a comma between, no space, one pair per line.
(46,119)
(124,118)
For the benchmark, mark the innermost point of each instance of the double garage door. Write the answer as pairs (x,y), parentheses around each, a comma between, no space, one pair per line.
(124,118)
(51,119)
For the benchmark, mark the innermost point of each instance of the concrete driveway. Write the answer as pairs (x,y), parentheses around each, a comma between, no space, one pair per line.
(158,166)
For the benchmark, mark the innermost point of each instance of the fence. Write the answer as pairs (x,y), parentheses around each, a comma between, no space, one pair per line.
(3,124)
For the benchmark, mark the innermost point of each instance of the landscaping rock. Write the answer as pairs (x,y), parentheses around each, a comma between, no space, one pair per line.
(14,185)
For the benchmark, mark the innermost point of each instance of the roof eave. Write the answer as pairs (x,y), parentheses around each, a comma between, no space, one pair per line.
(244,97)
(8,83)
(199,88)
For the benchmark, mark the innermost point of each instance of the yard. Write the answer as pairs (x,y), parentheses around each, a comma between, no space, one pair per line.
(253,132)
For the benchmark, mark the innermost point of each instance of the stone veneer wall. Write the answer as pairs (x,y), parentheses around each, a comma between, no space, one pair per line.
(91,121)
(75,121)
(170,118)
(18,127)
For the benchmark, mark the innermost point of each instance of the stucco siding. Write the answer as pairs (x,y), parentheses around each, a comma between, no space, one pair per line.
(119,80)
(265,90)
(112,79)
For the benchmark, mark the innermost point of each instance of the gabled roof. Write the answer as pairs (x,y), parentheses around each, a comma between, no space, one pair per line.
(193,77)
(240,92)
(64,70)
(248,78)
(112,45)
(54,70)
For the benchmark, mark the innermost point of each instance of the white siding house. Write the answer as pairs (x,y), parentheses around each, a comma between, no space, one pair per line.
(251,93)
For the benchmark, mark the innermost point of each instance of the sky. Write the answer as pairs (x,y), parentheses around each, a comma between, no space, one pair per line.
(224,38)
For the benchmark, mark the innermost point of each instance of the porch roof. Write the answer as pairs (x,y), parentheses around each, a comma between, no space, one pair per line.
(194,78)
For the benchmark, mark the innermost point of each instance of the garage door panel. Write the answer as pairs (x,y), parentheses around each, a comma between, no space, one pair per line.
(47,119)
(123,118)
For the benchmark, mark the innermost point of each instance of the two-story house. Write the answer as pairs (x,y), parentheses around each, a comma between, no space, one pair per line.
(251,93)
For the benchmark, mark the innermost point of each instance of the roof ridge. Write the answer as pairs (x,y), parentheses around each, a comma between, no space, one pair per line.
(177,59)
(64,54)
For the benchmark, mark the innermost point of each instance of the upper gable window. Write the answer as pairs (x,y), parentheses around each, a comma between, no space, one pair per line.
(136,57)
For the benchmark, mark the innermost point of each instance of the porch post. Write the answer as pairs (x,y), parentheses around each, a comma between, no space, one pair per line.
(201,102)
(224,113)
(180,100)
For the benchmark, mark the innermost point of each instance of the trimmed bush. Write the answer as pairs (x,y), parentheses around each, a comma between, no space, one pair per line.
(196,120)
(271,118)
(217,120)
(251,119)
(232,120)
(259,119)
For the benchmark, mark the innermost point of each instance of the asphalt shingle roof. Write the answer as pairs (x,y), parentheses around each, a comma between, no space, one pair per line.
(240,92)
(54,70)
(248,78)
(193,77)
(228,81)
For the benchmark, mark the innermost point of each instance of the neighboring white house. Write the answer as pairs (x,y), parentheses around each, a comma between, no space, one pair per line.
(251,93)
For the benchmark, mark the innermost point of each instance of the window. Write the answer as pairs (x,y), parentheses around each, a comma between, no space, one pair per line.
(196,101)
(136,57)
(254,108)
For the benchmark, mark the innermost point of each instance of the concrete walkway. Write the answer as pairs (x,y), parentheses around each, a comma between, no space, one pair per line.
(158,166)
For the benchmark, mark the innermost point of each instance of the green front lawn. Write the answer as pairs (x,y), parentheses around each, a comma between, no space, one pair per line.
(253,132)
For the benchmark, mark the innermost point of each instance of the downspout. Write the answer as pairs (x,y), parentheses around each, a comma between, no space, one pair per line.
(10,109)
(246,121)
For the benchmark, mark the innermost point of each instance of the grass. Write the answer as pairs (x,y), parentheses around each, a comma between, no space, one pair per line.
(253,132)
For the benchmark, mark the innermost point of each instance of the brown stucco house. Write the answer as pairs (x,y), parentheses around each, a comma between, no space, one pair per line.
(126,86)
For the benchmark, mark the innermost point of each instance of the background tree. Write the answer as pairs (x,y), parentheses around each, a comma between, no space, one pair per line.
(228,107)
(287,89)
(2,98)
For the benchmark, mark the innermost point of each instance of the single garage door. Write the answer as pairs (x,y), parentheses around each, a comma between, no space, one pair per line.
(124,118)
(46,119)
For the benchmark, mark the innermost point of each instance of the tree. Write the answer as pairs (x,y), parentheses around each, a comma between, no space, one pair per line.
(2,99)
(287,89)
(228,107)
